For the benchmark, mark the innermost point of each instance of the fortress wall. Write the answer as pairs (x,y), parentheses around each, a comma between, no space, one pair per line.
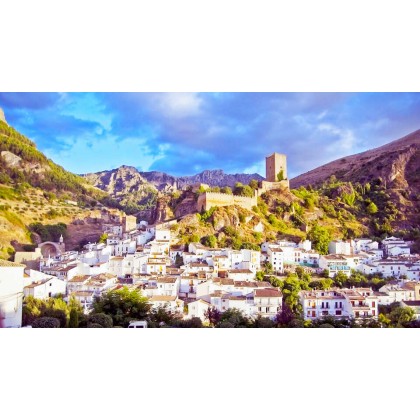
(209,199)
(268,186)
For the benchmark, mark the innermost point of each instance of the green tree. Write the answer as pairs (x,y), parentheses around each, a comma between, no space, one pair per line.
(123,305)
(372,208)
(226,190)
(253,184)
(103,238)
(259,275)
(320,238)
(280,176)
(234,318)
(210,241)
(401,316)
(104,320)
(74,318)
(340,279)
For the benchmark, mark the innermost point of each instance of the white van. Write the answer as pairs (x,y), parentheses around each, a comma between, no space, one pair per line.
(138,324)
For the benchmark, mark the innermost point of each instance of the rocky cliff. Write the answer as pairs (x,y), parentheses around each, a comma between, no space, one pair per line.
(2,116)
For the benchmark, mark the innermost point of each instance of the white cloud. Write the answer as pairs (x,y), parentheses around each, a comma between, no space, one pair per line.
(179,105)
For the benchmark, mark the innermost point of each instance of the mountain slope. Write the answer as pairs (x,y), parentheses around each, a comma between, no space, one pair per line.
(396,163)
(388,176)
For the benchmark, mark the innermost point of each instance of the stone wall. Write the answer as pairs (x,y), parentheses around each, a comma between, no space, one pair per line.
(265,186)
(209,199)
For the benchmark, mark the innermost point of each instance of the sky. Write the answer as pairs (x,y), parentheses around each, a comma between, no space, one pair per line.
(186,133)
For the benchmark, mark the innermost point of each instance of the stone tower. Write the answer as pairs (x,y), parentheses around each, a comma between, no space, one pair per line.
(275,164)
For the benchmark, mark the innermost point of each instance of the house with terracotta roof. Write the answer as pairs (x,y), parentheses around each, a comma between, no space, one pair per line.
(267,302)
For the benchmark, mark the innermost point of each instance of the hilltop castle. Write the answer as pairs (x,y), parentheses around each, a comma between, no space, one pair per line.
(276,179)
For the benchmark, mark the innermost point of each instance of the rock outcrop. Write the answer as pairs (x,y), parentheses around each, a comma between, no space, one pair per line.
(2,116)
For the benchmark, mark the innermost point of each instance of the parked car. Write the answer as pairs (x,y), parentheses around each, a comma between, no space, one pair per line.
(138,324)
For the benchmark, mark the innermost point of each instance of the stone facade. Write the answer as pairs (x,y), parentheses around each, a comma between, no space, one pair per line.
(273,165)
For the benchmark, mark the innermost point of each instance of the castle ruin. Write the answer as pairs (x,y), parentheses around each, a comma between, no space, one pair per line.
(276,179)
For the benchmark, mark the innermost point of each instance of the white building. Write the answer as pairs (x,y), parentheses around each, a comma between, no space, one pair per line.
(394,246)
(275,257)
(319,303)
(198,309)
(334,264)
(357,303)
(267,302)
(340,247)
(48,287)
(169,303)
(11,294)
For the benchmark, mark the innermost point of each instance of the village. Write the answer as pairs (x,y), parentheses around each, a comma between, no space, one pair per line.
(190,280)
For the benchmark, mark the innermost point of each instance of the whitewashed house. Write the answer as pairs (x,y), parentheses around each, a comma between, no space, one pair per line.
(46,288)
(198,309)
(11,294)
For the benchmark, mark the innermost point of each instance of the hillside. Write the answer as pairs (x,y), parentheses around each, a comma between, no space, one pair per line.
(33,189)
(393,170)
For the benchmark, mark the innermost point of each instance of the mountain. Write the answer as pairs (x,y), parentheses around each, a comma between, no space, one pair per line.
(397,163)
(127,186)
(137,190)
(388,176)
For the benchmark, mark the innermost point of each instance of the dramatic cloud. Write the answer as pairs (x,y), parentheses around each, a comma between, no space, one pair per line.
(185,133)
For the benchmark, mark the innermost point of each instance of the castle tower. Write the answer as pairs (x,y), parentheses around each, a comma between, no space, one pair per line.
(274,165)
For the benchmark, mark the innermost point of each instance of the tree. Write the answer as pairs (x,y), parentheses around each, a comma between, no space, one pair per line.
(213,315)
(226,190)
(243,190)
(280,176)
(262,322)
(320,238)
(74,318)
(123,305)
(259,275)
(299,271)
(253,184)
(179,260)
(288,318)
(210,241)
(103,238)
(401,316)
(340,278)
(233,318)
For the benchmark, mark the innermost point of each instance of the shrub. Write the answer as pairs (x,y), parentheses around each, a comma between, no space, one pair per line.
(104,320)
(46,322)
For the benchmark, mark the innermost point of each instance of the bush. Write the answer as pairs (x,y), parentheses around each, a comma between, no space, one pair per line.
(104,320)
(46,322)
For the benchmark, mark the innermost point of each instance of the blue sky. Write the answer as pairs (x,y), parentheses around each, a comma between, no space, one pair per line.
(185,133)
